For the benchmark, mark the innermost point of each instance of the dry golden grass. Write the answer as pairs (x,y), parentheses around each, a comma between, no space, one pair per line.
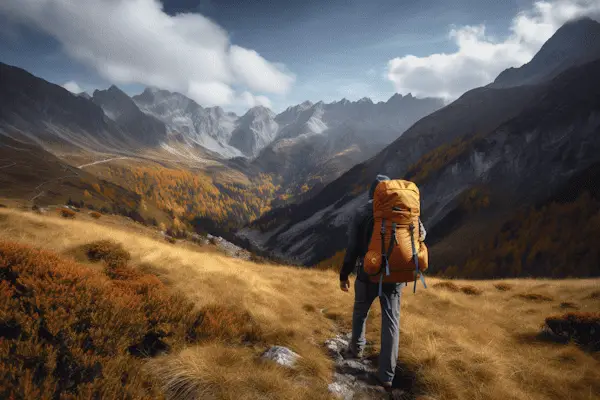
(458,346)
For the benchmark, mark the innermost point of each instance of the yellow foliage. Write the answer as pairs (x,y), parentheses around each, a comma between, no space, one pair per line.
(194,193)
(557,240)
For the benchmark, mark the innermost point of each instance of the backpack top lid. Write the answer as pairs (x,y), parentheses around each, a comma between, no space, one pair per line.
(396,197)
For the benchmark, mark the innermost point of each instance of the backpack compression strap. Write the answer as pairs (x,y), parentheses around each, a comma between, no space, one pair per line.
(415,258)
(386,256)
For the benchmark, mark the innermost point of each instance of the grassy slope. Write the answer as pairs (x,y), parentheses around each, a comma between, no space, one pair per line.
(459,346)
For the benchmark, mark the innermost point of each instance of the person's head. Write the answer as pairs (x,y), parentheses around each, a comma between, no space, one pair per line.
(378,178)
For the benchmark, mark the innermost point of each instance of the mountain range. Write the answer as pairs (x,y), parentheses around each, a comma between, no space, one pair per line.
(493,153)
(497,150)
(325,139)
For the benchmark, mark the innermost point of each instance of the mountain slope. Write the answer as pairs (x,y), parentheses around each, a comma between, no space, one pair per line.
(29,176)
(37,111)
(325,140)
(119,107)
(255,130)
(210,128)
(575,43)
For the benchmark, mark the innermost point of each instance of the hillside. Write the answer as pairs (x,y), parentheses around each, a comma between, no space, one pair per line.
(483,341)
(30,176)
(575,43)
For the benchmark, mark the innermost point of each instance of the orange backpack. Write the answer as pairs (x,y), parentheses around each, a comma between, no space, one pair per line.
(396,254)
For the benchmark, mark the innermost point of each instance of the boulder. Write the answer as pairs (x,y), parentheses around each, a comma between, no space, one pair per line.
(282,356)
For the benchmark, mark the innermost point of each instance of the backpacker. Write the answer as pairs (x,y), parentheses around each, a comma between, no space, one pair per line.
(396,254)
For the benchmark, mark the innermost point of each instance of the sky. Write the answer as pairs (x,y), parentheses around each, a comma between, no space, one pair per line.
(240,53)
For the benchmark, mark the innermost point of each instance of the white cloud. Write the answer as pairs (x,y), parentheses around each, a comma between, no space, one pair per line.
(480,58)
(73,87)
(249,100)
(257,73)
(135,41)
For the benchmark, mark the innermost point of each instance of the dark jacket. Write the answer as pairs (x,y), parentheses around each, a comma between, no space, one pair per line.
(359,236)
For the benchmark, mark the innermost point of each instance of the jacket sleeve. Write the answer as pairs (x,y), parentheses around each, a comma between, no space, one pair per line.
(422,231)
(352,247)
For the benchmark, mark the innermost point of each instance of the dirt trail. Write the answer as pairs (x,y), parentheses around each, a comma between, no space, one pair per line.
(102,162)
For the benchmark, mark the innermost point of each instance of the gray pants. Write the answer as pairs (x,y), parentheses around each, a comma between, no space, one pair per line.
(364,294)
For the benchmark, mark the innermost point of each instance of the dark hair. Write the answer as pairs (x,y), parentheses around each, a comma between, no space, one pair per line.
(378,178)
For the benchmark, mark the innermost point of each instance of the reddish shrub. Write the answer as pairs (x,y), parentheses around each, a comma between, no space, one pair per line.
(72,332)
(95,215)
(67,213)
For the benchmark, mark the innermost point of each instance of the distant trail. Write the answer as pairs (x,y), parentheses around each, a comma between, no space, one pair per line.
(102,161)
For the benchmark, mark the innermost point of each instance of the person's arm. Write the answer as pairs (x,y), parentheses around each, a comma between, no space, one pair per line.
(422,231)
(352,247)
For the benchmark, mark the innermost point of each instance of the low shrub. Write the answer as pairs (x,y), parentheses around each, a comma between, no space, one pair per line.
(471,290)
(95,215)
(67,213)
(534,297)
(112,253)
(451,286)
(73,333)
(170,239)
(503,287)
(568,305)
(583,328)
(228,323)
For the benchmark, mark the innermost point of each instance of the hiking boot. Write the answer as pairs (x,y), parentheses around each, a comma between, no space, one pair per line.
(375,381)
(352,352)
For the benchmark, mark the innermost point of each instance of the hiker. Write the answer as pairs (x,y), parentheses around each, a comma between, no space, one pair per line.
(365,292)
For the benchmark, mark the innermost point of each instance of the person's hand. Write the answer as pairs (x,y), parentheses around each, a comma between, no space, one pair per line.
(345,285)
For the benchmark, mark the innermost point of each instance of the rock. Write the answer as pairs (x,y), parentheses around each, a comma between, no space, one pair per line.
(282,356)
(341,391)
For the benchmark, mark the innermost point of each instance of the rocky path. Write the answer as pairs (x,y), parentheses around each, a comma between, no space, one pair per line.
(351,377)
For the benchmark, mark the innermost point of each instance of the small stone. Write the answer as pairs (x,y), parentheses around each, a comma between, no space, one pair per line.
(282,356)
(354,367)
(341,391)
